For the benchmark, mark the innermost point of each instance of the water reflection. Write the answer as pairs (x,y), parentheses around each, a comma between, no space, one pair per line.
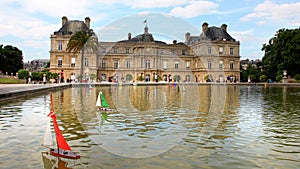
(176,126)
(281,115)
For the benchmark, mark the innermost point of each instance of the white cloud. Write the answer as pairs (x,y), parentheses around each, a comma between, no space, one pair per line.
(154,3)
(145,4)
(195,8)
(287,13)
(56,8)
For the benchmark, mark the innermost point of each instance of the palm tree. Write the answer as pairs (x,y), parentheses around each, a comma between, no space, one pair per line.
(82,40)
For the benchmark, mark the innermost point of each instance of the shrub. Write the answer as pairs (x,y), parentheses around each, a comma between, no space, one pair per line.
(278,77)
(297,77)
(263,78)
(128,77)
(23,74)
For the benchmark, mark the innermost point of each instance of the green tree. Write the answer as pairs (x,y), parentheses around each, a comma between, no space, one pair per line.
(252,71)
(176,78)
(297,77)
(92,76)
(11,59)
(82,41)
(282,53)
(35,76)
(23,74)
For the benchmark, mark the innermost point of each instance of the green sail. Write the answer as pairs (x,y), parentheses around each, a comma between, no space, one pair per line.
(103,101)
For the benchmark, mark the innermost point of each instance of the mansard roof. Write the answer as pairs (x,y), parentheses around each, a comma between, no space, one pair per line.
(211,34)
(71,27)
(215,33)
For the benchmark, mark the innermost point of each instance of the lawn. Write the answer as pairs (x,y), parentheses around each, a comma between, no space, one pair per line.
(11,80)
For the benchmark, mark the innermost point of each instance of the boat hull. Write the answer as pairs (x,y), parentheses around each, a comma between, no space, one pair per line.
(64,153)
(104,109)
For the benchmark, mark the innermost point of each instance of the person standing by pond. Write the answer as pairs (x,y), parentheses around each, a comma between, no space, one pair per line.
(44,79)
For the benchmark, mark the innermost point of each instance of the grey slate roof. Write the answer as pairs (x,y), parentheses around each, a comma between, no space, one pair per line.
(212,34)
(145,37)
(71,27)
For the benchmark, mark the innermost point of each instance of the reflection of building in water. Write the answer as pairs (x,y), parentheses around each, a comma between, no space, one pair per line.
(66,112)
(218,98)
(140,98)
(218,105)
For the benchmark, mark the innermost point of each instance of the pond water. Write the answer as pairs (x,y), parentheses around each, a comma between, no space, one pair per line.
(177,126)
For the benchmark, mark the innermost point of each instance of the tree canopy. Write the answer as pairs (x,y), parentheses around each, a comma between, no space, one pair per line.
(282,53)
(11,59)
(82,40)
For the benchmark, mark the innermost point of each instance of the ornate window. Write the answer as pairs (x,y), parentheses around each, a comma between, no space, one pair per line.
(188,65)
(103,63)
(116,64)
(128,64)
(209,64)
(221,50)
(231,64)
(59,48)
(187,78)
(147,64)
(86,62)
(73,61)
(59,62)
(221,64)
(165,64)
(103,50)
(176,65)
(209,51)
(231,51)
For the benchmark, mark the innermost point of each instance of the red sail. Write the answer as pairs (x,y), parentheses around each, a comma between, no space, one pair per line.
(61,142)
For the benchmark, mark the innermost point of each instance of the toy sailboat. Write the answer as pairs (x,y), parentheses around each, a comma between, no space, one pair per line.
(63,149)
(101,103)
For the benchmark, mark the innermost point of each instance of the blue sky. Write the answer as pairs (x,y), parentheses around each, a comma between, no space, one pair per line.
(28,24)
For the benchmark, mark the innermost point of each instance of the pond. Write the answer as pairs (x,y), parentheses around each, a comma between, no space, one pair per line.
(164,126)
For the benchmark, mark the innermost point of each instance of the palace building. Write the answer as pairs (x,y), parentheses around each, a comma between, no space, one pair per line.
(211,56)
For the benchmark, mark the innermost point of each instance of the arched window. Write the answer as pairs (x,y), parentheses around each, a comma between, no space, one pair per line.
(187,78)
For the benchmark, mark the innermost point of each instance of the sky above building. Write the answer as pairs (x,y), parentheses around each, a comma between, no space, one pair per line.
(28,24)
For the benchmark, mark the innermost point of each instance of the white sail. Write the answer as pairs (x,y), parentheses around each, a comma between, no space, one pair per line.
(98,103)
(48,140)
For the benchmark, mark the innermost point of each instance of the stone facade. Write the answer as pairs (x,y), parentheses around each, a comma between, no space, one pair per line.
(211,56)
(65,63)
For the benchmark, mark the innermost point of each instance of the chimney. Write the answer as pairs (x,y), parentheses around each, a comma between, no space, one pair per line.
(64,20)
(129,36)
(224,27)
(87,22)
(187,37)
(204,27)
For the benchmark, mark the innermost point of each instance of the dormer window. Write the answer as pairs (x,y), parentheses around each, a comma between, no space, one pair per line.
(209,50)
(103,50)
